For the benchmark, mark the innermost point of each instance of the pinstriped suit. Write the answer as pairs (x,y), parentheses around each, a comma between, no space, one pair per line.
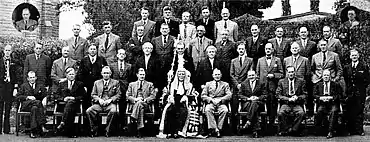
(42,67)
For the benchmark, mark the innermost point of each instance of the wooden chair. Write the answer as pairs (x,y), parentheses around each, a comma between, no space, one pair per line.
(263,115)
(18,116)
(58,112)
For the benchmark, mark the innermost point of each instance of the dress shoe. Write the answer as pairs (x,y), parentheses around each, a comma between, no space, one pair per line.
(44,130)
(218,134)
(32,135)
(107,134)
(255,135)
(330,135)
(246,125)
(362,134)
(282,134)
(73,136)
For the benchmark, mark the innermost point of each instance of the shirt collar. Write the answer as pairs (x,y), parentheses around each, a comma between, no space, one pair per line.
(91,57)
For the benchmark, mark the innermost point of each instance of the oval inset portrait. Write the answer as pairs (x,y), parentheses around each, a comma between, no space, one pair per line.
(25,17)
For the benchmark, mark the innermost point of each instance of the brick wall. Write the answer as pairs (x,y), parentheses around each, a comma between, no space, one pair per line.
(47,12)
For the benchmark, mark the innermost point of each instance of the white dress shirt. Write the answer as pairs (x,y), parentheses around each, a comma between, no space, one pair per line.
(92,59)
(211,60)
(146,58)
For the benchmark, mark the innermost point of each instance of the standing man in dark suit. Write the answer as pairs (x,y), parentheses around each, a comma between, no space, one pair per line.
(31,94)
(59,67)
(90,71)
(327,94)
(173,25)
(149,63)
(292,93)
(40,64)
(8,86)
(105,94)
(140,94)
(226,51)
(197,47)
(357,78)
(207,22)
(280,43)
(123,72)
(256,45)
(164,50)
(72,93)
(307,47)
(134,44)
(240,66)
(252,92)
(182,60)
(108,43)
(149,25)
(270,71)
(77,44)
(206,67)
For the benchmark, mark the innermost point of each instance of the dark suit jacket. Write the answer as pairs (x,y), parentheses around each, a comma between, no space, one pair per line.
(79,50)
(282,91)
(204,71)
(149,28)
(26,90)
(246,90)
(210,27)
(147,90)
(88,73)
(77,91)
(125,77)
(275,68)
(14,69)
(226,53)
(134,49)
(282,50)
(259,47)
(42,67)
(174,27)
(239,73)
(335,91)
(164,52)
(356,79)
(151,71)
(309,50)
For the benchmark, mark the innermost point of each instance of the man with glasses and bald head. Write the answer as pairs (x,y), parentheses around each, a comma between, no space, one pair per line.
(226,24)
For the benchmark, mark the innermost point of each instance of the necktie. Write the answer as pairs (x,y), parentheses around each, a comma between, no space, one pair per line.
(37,57)
(324,57)
(200,41)
(105,85)
(121,67)
(6,70)
(216,85)
(106,42)
(92,60)
(326,90)
(70,85)
(241,61)
(294,59)
(225,26)
(252,86)
(354,65)
(268,57)
(141,85)
(291,88)
(64,63)
(164,39)
(205,21)
(144,23)
(76,40)
(25,24)
(140,39)
(304,43)
(185,31)
(33,85)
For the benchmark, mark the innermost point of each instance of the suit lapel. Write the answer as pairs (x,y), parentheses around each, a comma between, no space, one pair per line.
(218,88)
(329,56)
(295,85)
(271,64)
(299,62)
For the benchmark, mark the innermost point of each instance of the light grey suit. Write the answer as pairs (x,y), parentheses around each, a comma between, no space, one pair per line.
(109,52)
(231,26)
(211,92)
(58,69)
(332,63)
(302,66)
(77,50)
(149,29)
(147,93)
(197,50)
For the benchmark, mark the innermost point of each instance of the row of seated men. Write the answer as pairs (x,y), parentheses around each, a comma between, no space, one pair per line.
(181,63)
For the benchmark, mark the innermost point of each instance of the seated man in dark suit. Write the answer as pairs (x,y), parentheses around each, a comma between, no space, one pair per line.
(140,93)
(105,95)
(31,94)
(252,92)
(327,94)
(292,93)
(72,92)
(216,94)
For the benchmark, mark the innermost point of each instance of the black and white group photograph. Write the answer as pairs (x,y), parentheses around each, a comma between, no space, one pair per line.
(184,70)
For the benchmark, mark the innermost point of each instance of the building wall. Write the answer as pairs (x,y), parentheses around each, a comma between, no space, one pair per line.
(47,12)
